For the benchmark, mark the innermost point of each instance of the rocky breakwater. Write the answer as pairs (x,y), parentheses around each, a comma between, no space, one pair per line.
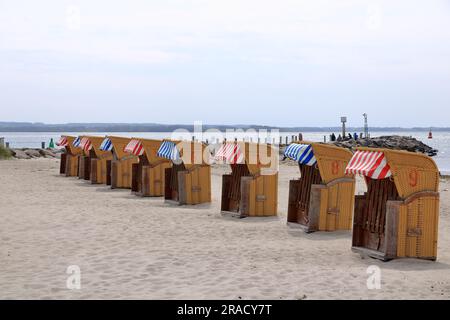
(389,142)
(35,153)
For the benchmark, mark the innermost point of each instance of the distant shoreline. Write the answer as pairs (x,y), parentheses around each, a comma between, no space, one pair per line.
(154,127)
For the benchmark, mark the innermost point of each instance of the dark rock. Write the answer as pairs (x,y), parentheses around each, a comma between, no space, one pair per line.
(19,154)
(33,153)
(47,153)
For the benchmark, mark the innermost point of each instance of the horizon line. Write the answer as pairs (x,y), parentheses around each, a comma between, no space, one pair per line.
(237,125)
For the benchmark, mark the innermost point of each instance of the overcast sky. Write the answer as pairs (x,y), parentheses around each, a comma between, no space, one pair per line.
(278,62)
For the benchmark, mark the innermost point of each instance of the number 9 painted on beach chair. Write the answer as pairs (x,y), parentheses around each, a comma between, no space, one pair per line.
(398,216)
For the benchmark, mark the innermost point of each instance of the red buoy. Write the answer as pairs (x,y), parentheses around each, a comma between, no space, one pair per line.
(430,135)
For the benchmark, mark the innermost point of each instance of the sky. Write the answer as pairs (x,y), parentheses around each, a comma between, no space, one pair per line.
(278,62)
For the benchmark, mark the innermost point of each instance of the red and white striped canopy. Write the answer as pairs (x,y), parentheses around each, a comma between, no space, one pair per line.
(230,153)
(135,147)
(63,142)
(85,144)
(372,164)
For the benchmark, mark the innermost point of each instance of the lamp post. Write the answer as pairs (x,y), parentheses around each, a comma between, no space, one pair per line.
(343,120)
(366,126)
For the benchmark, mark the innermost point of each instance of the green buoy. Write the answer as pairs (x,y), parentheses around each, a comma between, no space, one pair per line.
(51,144)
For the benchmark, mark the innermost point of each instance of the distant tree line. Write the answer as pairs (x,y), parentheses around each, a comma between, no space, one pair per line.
(155,127)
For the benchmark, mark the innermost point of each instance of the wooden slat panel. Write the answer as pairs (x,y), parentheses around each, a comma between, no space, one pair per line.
(247,203)
(402,228)
(155,183)
(259,190)
(359,220)
(421,227)
(94,171)
(108,172)
(87,168)
(294,190)
(62,166)
(393,212)
(346,195)
(168,183)
(69,166)
(323,208)
(309,176)
(184,183)
(226,185)
(205,181)
(156,180)
(436,225)
(314,208)
(136,172)
(72,165)
(160,179)
(114,173)
(332,208)
(80,167)
(271,204)
(146,177)
(196,187)
(411,241)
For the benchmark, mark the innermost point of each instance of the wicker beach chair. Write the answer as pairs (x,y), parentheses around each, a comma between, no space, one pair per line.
(120,167)
(92,160)
(322,199)
(148,174)
(247,191)
(188,180)
(69,159)
(398,215)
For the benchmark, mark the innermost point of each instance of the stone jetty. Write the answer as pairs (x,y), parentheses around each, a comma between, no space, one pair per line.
(389,142)
(29,153)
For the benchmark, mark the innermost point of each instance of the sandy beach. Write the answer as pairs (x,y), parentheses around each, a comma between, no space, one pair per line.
(141,248)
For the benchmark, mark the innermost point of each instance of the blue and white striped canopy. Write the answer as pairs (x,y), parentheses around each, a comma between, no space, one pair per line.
(106,145)
(76,143)
(302,153)
(169,150)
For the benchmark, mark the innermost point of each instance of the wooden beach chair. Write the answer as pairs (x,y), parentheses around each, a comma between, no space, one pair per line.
(246,191)
(93,160)
(188,181)
(398,215)
(121,165)
(148,174)
(323,198)
(69,159)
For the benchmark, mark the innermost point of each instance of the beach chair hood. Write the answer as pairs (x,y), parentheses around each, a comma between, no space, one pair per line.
(135,147)
(63,142)
(371,164)
(230,153)
(106,145)
(302,153)
(76,142)
(85,144)
(169,150)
